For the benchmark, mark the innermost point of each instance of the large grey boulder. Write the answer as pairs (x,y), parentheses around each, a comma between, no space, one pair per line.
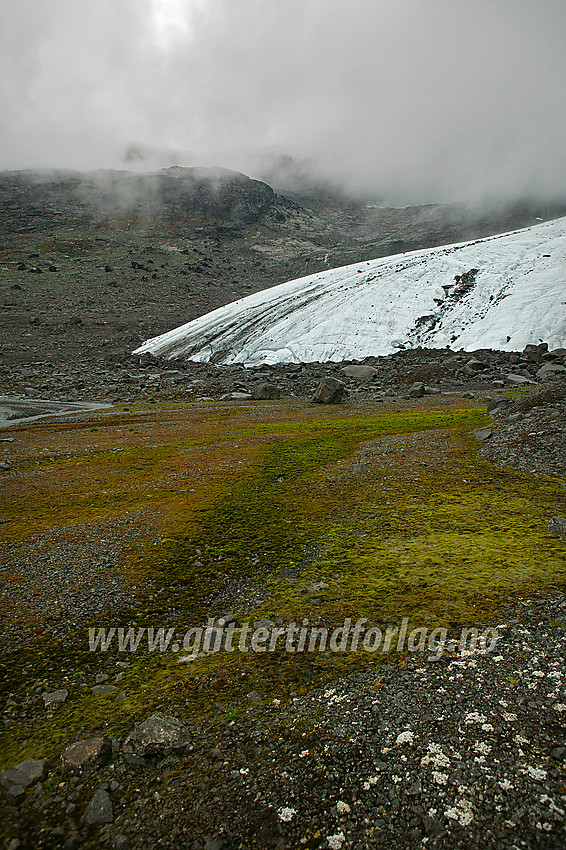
(550,370)
(362,372)
(497,404)
(265,390)
(329,391)
(160,734)
(416,390)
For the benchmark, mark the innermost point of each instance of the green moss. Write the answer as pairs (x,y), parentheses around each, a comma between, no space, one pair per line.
(423,528)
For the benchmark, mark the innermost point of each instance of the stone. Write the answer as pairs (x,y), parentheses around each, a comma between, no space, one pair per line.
(236,396)
(86,754)
(518,380)
(550,370)
(557,526)
(483,433)
(363,372)
(416,390)
(329,391)
(159,734)
(497,404)
(99,810)
(23,775)
(120,842)
(534,352)
(73,842)
(104,689)
(476,365)
(55,698)
(265,390)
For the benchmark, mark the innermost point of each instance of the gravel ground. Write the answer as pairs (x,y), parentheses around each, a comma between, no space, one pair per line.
(464,752)
(62,578)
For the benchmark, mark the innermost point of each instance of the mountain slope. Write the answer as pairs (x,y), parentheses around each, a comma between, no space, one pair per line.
(501,292)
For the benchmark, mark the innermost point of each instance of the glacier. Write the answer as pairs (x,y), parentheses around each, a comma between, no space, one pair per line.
(499,292)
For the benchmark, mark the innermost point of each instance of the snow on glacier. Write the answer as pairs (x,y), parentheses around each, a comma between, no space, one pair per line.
(518,296)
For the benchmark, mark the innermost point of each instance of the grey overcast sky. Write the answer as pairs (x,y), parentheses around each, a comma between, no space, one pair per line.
(415,100)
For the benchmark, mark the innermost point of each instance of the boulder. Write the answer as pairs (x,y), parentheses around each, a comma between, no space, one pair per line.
(265,390)
(362,372)
(329,391)
(497,404)
(55,698)
(518,380)
(550,370)
(160,734)
(483,433)
(416,390)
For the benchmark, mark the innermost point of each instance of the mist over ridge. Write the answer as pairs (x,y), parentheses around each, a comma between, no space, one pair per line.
(403,100)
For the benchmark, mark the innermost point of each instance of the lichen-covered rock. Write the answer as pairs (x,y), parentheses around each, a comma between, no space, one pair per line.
(160,734)
(557,526)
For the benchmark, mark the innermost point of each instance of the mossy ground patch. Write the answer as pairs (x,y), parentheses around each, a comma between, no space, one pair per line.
(274,510)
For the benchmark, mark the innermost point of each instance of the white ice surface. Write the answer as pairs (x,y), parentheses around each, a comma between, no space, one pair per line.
(369,308)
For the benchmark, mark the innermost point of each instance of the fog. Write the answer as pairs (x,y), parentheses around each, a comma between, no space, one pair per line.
(408,100)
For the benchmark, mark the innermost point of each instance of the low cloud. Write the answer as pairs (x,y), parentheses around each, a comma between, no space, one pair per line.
(410,100)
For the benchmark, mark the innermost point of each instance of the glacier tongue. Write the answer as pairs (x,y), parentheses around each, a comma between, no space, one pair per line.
(501,292)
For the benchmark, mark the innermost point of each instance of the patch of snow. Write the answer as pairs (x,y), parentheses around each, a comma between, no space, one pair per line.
(516,297)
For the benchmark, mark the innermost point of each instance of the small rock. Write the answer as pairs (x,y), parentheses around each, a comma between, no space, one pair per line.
(497,404)
(159,734)
(483,433)
(557,526)
(85,755)
(121,842)
(104,689)
(254,697)
(25,774)
(55,698)
(329,391)
(99,810)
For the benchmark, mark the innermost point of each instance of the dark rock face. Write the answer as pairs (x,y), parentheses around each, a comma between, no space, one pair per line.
(329,391)
(215,193)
